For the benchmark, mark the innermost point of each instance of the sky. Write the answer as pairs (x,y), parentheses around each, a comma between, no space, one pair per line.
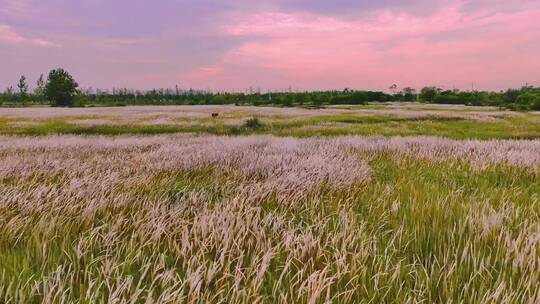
(273,44)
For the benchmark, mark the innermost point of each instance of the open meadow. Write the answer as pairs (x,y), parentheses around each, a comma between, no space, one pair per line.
(381,203)
(388,119)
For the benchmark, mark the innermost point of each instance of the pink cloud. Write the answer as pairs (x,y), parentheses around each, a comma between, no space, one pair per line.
(205,72)
(450,46)
(7,35)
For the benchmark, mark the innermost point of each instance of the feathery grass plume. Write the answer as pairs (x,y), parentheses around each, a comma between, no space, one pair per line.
(209,219)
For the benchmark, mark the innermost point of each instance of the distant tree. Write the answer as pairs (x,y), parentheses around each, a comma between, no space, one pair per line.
(429,93)
(447,97)
(409,94)
(287,100)
(317,100)
(359,97)
(511,95)
(218,100)
(7,95)
(23,87)
(393,88)
(40,85)
(61,88)
(535,103)
(302,98)
(526,98)
(529,100)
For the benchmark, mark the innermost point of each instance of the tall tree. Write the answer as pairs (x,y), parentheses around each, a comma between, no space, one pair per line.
(40,85)
(61,88)
(23,87)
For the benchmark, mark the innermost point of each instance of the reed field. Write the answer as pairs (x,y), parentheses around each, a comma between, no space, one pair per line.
(348,204)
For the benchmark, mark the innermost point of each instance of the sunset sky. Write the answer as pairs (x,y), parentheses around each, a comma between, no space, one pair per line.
(306,44)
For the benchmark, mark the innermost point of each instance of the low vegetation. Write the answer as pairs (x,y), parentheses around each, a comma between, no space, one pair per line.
(391,119)
(170,219)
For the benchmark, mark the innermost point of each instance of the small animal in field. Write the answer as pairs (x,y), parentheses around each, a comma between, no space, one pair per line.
(214,115)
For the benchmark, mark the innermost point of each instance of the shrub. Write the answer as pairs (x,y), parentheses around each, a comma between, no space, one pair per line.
(253,123)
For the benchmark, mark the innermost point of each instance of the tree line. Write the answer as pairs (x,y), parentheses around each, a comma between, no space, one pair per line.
(60,89)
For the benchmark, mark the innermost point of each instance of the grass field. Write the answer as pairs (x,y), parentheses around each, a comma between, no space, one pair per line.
(107,205)
(458,122)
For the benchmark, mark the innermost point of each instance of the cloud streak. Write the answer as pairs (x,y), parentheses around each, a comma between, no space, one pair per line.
(8,36)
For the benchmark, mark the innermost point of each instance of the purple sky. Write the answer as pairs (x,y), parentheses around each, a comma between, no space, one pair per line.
(235,44)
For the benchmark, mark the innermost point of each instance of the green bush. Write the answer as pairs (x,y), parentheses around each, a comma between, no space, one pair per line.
(253,123)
